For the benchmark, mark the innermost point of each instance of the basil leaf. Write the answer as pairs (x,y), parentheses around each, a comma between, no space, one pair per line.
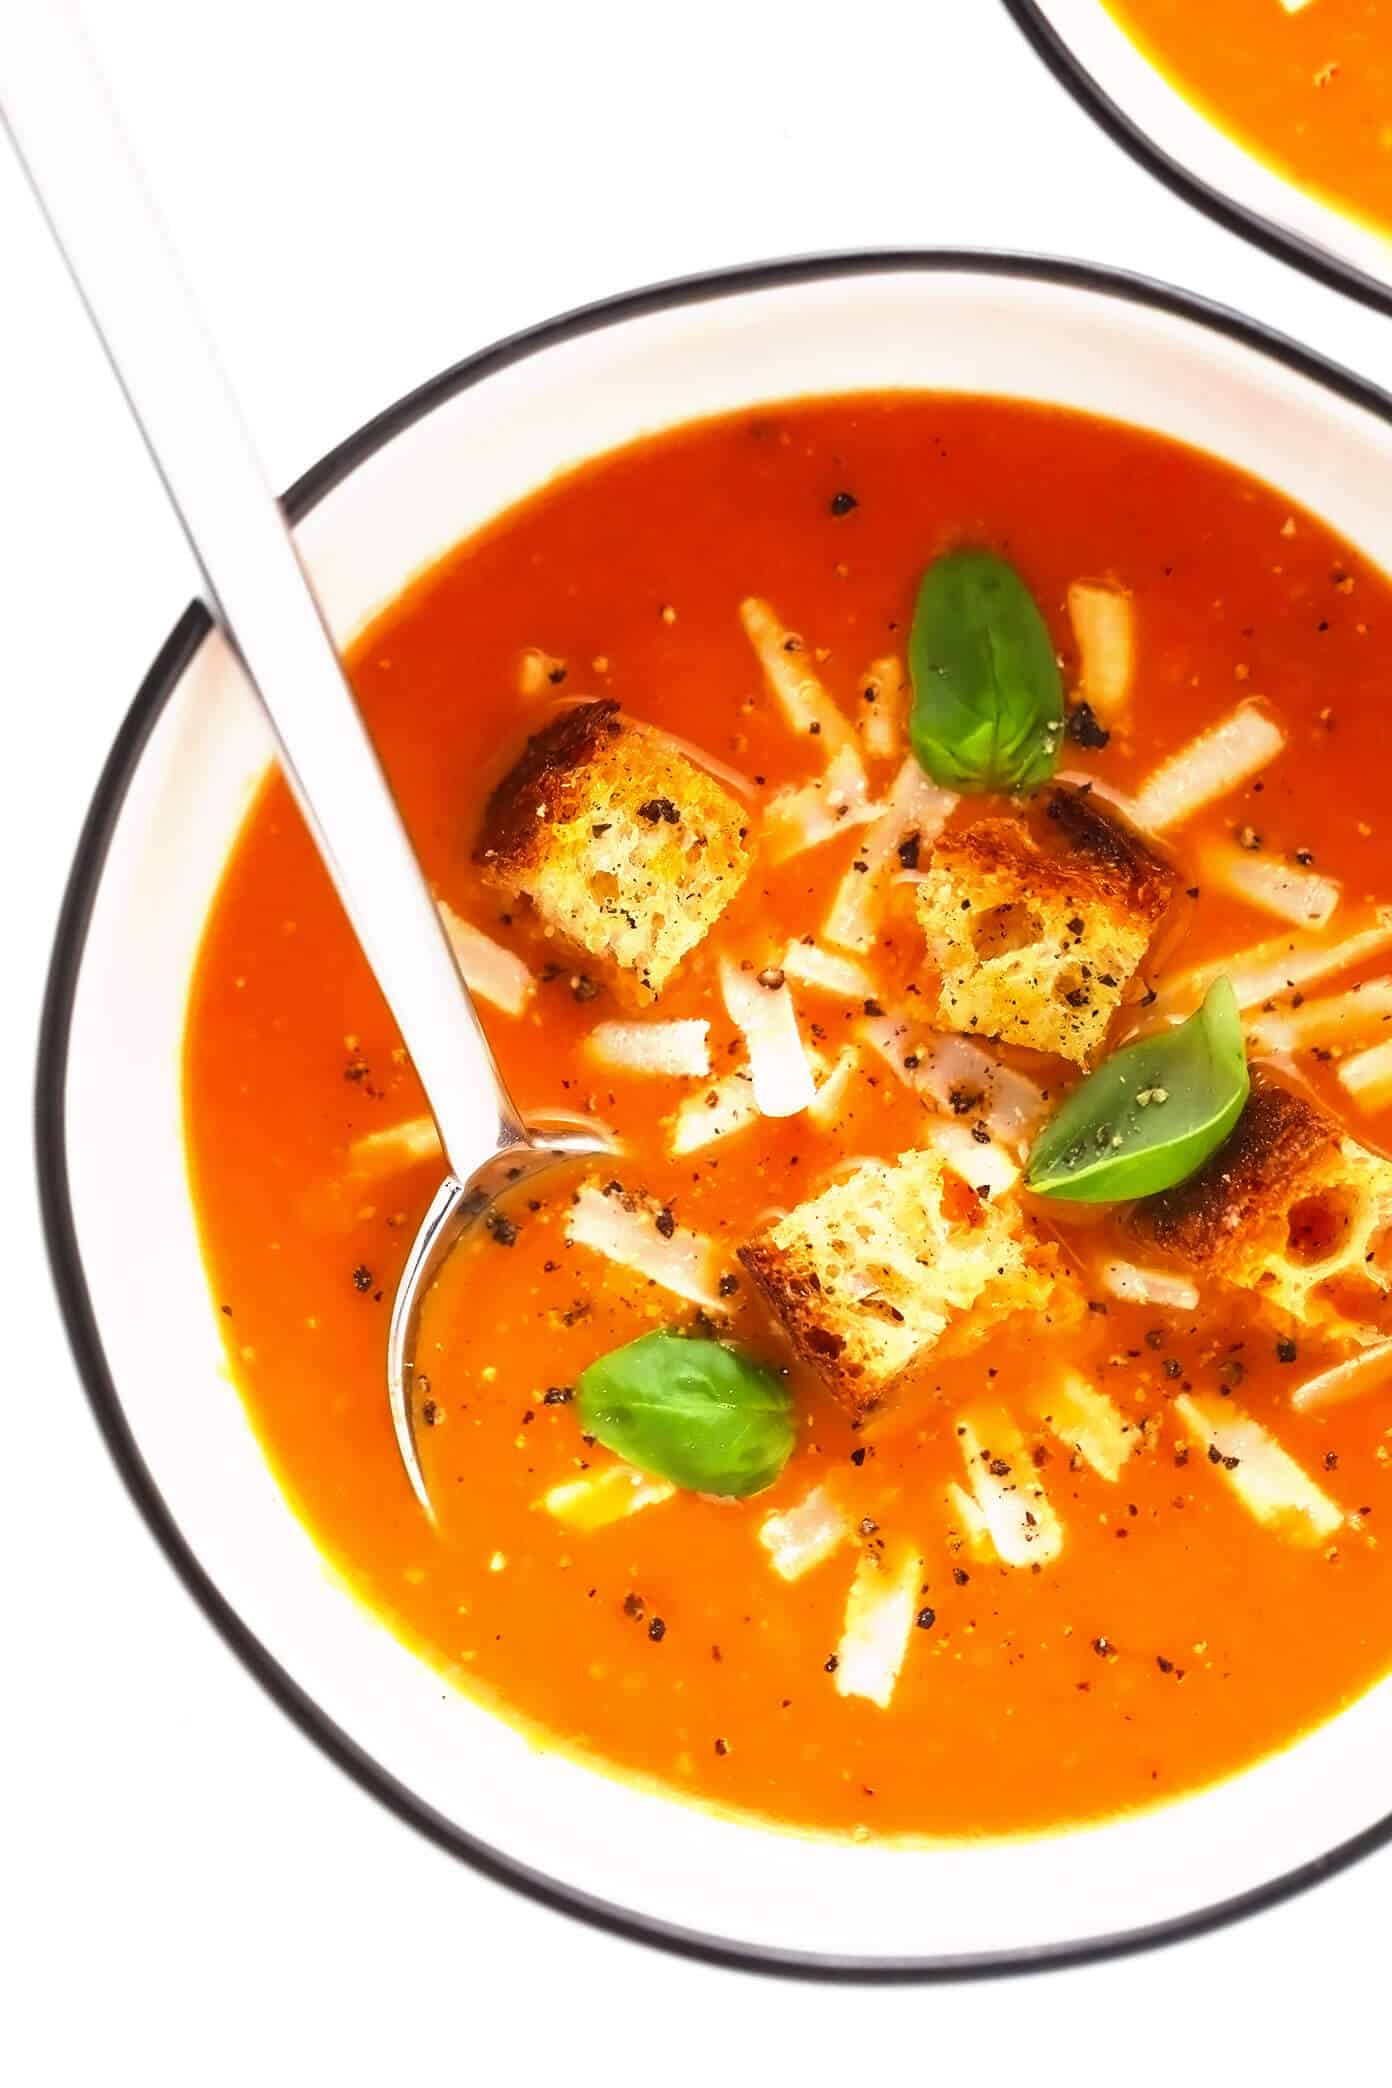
(987,693)
(692,1411)
(1151,1114)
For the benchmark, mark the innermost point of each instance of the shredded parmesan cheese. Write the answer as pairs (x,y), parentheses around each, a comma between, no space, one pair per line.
(767,1020)
(726,1106)
(880,1611)
(626,1229)
(805,704)
(400,1145)
(1217,762)
(1266,1479)
(1362,1373)
(1368,1076)
(1000,1472)
(1091,1424)
(677,1050)
(967,1524)
(831,1090)
(1300,896)
(1338,1019)
(807,814)
(1288,962)
(915,806)
(810,965)
(984,1166)
(884,721)
(600,1498)
(1149,1286)
(803,1537)
(967,1081)
(490,971)
(1103,620)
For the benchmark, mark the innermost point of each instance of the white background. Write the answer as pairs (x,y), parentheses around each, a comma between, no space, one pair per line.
(365,193)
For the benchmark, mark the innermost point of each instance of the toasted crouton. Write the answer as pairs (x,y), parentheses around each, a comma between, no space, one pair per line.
(1290,1209)
(879,1270)
(621,844)
(1037,945)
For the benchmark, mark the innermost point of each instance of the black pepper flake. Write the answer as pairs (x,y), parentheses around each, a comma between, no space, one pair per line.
(430,1412)
(1172,1367)
(634,1606)
(872,1007)
(843,503)
(1331,1460)
(665,1223)
(981,1134)
(908,851)
(584,987)
(926,1619)
(727,1286)
(558,1395)
(362,1278)
(655,810)
(722,1747)
(1286,1350)
(868,1526)
(501,1228)
(998,1468)
(1103,1647)
(1166,1667)
(1083,729)
(657,1630)
(830,1664)
(858,1456)
(961,1576)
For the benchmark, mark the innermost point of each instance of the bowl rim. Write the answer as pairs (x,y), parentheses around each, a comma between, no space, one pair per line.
(1319,262)
(51,1146)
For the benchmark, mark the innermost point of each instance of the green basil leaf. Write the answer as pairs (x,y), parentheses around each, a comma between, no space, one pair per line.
(691,1411)
(987,693)
(1151,1114)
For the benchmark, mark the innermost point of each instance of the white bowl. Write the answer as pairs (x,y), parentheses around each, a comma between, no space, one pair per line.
(116,1192)
(1091,55)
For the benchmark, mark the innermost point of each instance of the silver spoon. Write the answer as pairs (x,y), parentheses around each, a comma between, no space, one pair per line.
(69,140)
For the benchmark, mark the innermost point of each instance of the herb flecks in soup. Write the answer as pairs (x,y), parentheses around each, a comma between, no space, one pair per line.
(958,1404)
(1304,84)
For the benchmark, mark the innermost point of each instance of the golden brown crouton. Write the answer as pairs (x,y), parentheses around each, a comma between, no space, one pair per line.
(620,843)
(1289,1209)
(1036,943)
(894,1262)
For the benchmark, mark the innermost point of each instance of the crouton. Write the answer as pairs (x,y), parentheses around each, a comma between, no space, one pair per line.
(1290,1209)
(894,1262)
(621,844)
(1037,944)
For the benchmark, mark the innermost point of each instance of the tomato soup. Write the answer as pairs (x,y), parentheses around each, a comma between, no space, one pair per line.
(821,800)
(1307,87)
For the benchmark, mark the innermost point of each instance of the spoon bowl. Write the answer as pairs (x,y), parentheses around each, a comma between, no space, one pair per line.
(455,1209)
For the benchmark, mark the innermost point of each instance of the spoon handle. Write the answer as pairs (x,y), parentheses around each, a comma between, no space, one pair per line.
(67,135)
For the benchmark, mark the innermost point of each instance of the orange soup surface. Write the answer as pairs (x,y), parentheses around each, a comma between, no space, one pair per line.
(1086,1550)
(1308,89)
